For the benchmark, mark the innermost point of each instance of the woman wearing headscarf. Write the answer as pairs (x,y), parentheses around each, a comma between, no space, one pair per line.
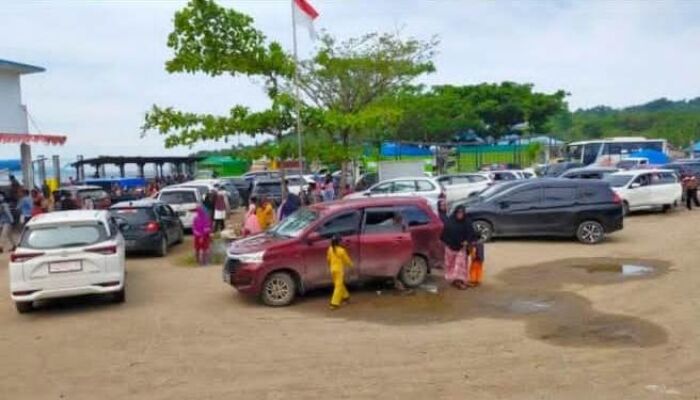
(201,230)
(251,226)
(457,234)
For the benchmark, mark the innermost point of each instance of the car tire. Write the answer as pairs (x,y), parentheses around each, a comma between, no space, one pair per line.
(24,307)
(415,272)
(666,208)
(162,250)
(590,232)
(279,290)
(625,209)
(120,296)
(484,229)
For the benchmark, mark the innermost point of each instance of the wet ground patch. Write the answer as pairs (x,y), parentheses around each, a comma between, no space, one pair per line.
(535,295)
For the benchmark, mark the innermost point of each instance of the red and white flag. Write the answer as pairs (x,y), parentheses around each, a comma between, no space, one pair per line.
(304,15)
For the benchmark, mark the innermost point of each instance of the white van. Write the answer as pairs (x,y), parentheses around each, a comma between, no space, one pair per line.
(184,201)
(461,186)
(647,189)
(65,254)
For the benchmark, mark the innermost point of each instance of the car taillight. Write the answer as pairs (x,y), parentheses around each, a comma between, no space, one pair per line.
(152,227)
(616,198)
(22,257)
(111,249)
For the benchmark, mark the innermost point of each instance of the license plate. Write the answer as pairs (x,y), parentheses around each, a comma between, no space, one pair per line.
(65,266)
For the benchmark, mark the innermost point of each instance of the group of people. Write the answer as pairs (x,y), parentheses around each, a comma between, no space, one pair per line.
(27,203)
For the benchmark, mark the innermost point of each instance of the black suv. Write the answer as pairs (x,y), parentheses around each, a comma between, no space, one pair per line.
(268,188)
(147,225)
(582,208)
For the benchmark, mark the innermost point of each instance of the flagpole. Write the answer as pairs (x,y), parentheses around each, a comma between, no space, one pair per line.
(296,87)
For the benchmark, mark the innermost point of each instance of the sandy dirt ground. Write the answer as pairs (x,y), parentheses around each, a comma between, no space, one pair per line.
(554,320)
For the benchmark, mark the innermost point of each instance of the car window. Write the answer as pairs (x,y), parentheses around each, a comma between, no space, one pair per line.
(178,197)
(643,180)
(133,216)
(382,220)
(404,186)
(559,194)
(414,216)
(425,186)
(344,224)
(460,180)
(382,188)
(524,196)
(476,178)
(663,178)
(445,180)
(164,211)
(295,224)
(62,236)
(618,181)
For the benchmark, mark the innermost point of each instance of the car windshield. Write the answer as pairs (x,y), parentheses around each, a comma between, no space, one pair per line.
(295,224)
(62,236)
(178,197)
(133,216)
(618,180)
(268,188)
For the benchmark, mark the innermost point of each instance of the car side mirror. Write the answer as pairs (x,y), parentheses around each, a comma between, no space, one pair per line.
(367,193)
(635,185)
(313,237)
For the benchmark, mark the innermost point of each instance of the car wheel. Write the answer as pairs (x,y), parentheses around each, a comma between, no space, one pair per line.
(665,208)
(162,247)
(590,232)
(414,272)
(279,289)
(120,296)
(625,208)
(24,307)
(484,229)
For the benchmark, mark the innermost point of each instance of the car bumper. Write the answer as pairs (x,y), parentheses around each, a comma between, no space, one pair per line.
(107,283)
(244,277)
(143,243)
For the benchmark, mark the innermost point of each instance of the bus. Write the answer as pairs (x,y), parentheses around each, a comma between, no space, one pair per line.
(609,151)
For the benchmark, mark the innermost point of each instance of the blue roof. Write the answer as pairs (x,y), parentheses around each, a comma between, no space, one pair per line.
(12,66)
(696,146)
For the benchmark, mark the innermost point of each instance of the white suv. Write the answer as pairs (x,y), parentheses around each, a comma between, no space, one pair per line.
(646,189)
(461,186)
(425,187)
(184,201)
(65,254)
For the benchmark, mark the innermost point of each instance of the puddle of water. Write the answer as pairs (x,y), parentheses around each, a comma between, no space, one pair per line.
(635,270)
(529,306)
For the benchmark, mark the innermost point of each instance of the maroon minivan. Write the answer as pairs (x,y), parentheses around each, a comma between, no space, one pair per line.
(386,238)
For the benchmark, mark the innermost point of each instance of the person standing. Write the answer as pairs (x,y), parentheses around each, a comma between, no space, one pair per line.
(457,234)
(24,205)
(265,214)
(690,184)
(67,203)
(201,230)
(209,203)
(219,211)
(328,189)
(251,226)
(338,260)
(37,203)
(6,222)
(476,265)
(291,203)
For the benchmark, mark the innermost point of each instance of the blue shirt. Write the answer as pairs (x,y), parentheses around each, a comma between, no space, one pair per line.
(25,206)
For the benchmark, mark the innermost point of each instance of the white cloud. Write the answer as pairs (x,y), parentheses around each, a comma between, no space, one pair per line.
(105,60)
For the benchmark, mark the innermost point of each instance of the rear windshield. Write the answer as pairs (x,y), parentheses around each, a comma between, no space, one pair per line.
(62,236)
(203,190)
(618,180)
(268,188)
(178,197)
(95,194)
(133,216)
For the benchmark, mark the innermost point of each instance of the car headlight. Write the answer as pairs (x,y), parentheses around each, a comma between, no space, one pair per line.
(248,258)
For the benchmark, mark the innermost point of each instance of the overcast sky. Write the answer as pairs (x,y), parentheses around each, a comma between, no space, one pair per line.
(104,59)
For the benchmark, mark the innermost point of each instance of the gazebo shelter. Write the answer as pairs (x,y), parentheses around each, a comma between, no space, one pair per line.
(182,164)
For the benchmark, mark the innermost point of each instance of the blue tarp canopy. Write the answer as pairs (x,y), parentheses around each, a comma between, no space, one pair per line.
(696,147)
(390,149)
(12,165)
(654,157)
(125,183)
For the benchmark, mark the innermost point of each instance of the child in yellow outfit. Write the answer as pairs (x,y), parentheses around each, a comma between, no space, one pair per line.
(338,260)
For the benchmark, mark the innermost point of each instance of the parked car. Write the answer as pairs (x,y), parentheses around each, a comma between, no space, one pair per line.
(647,189)
(148,226)
(268,188)
(366,180)
(556,169)
(243,186)
(65,254)
(79,193)
(256,175)
(290,258)
(588,173)
(505,175)
(427,188)
(586,209)
(633,163)
(685,167)
(184,201)
(461,186)
(297,183)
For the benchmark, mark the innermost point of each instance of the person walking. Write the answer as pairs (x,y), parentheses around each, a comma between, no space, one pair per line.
(338,260)
(67,203)
(690,184)
(265,213)
(6,222)
(201,230)
(291,203)
(457,234)
(219,211)
(328,189)
(476,265)
(251,226)
(37,203)
(209,203)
